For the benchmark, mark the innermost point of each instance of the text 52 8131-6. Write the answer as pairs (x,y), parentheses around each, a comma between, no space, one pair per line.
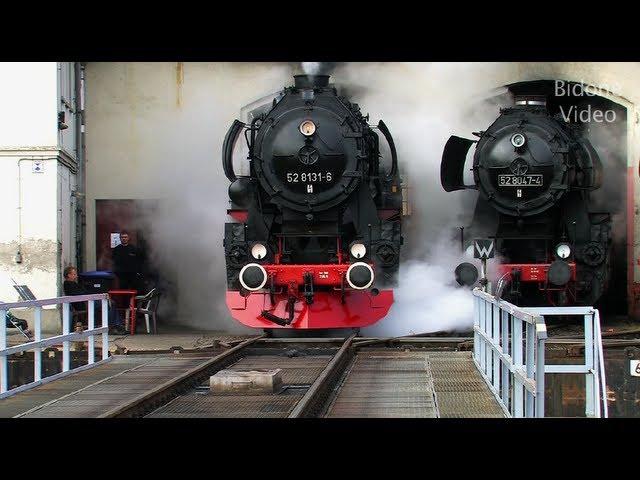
(309,177)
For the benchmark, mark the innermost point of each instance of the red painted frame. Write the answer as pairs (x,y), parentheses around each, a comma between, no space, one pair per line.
(532,272)
(323,274)
(359,309)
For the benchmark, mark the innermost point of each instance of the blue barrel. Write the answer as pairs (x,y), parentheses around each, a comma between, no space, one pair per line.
(99,281)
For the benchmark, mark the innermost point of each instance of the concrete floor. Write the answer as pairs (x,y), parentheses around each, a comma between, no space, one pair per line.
(189,339)
(143,342)
(165,341)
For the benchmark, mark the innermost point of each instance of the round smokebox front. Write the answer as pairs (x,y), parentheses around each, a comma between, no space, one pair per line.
(518,168)
(303,157)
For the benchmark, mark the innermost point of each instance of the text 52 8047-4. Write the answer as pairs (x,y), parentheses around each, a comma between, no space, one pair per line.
(534,180)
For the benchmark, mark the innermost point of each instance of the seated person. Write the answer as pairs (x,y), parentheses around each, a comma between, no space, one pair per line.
(72,287)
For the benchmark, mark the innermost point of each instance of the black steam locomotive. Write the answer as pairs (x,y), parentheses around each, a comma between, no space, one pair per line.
(317,236)
(534,173)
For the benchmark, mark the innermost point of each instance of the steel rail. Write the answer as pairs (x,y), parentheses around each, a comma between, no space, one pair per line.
(315,398)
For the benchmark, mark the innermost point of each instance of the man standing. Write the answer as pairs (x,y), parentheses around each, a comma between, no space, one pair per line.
(127,263)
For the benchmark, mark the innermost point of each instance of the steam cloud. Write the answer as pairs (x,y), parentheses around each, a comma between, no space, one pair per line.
(186,229)
(311,68)
(317,68)
(423,104)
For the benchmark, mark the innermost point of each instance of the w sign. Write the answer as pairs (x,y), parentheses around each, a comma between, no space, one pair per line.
(483,248)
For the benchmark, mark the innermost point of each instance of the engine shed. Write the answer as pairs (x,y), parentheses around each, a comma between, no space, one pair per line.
(137,145)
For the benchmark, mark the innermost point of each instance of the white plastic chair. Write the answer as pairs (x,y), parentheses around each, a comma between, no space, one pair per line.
(146,305)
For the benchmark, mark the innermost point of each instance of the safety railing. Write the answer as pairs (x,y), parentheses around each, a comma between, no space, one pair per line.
(65,339)
(508,350)
(593,366)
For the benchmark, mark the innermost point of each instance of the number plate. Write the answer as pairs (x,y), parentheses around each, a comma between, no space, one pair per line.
(520,180)
(310,177)
(635,368)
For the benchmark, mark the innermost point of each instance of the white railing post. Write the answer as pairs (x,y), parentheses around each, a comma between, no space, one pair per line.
(541,335)
(483,318)
(90,326)
(506,398)
(601,364)
(588,361)
(37,351)
(476,323)
(516,348)
(531,349)
(105,325)
(4,370)
(487,333)
(66,320)
(496,341)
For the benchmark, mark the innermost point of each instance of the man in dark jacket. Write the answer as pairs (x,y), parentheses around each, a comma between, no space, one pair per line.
(72,287)
(127,263)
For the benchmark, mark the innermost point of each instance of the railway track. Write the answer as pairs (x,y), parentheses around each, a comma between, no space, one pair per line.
(330,377)
(350,377)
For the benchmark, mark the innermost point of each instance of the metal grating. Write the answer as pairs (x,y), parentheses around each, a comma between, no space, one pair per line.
(386,384)
(195,405)
(459,389)
(27,400)
(92,399)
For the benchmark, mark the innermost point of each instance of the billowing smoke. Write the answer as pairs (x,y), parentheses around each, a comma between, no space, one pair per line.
(318,68)
(609,141)
(311,68)
(185,230)
(423,104)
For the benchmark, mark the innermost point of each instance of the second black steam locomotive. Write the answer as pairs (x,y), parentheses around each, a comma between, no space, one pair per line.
(535,173)
(317,237)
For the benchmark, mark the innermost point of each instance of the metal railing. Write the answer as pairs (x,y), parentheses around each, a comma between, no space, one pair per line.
(508,350)
(39,343)
(593,366)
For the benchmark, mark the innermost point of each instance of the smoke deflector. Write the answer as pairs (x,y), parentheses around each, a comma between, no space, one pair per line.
(452,166)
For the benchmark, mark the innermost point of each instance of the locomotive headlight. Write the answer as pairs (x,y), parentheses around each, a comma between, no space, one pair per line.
(360,276)
(358,250)
(258,251)
(563,250)
(253,277)
(518,140)
(307,128)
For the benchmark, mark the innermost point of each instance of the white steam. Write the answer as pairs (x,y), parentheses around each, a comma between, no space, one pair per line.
(186,230)
(311,68)
(426,299)
(423,105)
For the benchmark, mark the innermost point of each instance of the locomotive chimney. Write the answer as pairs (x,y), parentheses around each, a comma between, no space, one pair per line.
(311,81)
